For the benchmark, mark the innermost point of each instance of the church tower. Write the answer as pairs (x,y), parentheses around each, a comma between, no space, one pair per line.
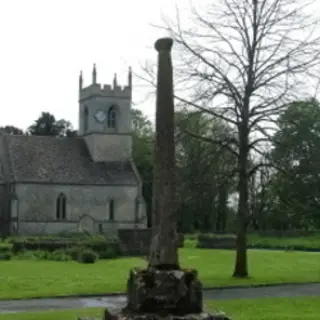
(105,119)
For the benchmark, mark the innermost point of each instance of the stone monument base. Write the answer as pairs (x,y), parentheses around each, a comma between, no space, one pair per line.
(129,315)
(153,294)
(164,292)
(125,315)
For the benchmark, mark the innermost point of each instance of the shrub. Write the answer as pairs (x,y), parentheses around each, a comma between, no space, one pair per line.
(108,253)
(75,252)
(97,244)
(5,247)
(72,235)
(190,242)
(88,256)
(216,241)
(5,255)
(60,255)
(41,255)
(25,255)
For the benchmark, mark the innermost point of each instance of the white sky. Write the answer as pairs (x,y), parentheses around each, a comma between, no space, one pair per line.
(45,44)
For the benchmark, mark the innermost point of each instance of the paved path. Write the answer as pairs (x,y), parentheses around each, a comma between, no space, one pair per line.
(115,303)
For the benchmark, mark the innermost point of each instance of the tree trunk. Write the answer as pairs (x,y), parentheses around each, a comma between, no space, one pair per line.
(222,208)
(241,264)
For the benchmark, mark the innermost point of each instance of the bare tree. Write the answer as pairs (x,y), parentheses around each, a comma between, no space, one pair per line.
(242,61)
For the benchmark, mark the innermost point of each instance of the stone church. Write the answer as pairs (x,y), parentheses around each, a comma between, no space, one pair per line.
(50,185)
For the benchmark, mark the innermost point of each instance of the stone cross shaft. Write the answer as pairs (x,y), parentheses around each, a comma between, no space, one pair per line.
(163,249)
(164,290)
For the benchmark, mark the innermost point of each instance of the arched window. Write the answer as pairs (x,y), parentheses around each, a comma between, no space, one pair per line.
(111,210)
(112,117)
(85,119)
(136,210)
(14,206)
(61,207)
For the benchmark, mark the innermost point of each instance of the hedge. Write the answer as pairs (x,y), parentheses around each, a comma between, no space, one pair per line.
(216,241)
(5,248)
(213,241)
(106,248)
(98,245)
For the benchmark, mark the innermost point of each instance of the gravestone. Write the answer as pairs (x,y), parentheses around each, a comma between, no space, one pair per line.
(164,289)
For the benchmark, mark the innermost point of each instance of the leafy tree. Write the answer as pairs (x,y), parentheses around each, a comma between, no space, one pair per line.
(295,187)
(143,138)
(65,128)
(205,174)
(260,200)
(11,130)
(44,125)
(204,171)
(47,125)
(241,62)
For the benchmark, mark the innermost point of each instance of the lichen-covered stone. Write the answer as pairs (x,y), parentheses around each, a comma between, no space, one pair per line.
(129,315)
(164,249)
(164,291)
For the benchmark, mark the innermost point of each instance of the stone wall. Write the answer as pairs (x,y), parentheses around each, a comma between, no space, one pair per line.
(84,204)
(3,208)
(119,146)
(55,227)
(96,103)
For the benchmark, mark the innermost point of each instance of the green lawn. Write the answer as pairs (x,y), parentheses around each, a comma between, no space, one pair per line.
(242,309)
(36,278)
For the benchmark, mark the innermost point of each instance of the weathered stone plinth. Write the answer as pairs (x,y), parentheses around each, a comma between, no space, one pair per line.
(164,292)
(129,315)
(154,294)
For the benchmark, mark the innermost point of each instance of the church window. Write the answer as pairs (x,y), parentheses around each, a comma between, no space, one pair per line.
(112,117)
(111,210)
(14,207)
(136,210)
(61,207)
(86,119)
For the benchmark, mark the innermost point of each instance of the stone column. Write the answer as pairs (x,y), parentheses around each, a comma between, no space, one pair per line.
(164,289)
(163,250)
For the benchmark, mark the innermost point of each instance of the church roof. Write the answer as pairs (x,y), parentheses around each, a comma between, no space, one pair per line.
(45,159)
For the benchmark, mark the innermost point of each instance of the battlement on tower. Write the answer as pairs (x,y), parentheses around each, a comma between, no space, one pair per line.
(105,90)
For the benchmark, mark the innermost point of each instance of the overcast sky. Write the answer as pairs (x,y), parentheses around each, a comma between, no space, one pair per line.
(45,44)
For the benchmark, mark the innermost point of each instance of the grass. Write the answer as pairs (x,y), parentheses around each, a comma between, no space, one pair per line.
(54,315)
(241,309)
(270,308)
(41,278)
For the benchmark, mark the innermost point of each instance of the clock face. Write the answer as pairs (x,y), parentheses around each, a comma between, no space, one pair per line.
(100,116)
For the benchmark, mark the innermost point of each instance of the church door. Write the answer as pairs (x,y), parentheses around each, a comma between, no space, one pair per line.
(87,223)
